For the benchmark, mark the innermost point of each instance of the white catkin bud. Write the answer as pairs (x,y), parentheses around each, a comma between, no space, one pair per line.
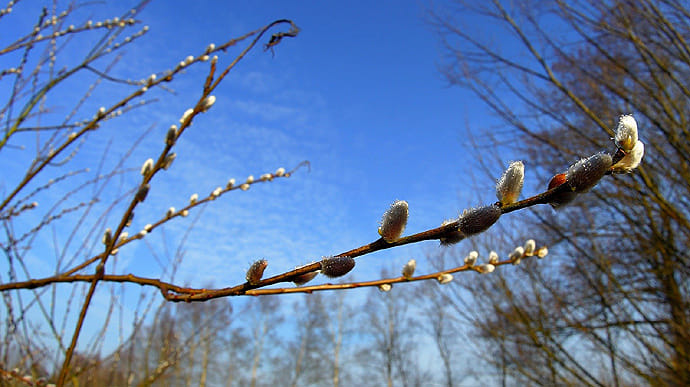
(256,271)
(444,278)
(208,102)
(171,136)
(337,266)
(304,278)
(244,187)
(486,268)
(143,233)
(586,173)
(123,236)
(170,212)
(394,221)
(408,269)
(250,179)
(280,172)
(479,219)
(385,287)
(186,114)
(530,246)
(231,183)
(107,236)
(184,213)
(72,136)
(517,254)
(471,258)
(542,252)
(631,160)
(168,160)
(194,198)
(510,184)
(142,192)
(266,177)
(216,192)
(626,132)
(101,111)
(493,257)
(210,47)
(189,59)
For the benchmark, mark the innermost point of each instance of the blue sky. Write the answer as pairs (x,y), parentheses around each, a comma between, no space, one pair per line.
(358,94)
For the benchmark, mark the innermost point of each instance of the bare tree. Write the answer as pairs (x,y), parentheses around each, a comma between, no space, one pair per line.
(621,292)
(89,215)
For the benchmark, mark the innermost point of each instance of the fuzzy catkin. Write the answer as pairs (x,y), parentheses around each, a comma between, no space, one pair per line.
(337,266)
(479,219)
(586,173)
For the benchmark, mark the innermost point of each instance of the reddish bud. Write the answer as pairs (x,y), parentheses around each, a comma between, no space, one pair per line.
(561,198)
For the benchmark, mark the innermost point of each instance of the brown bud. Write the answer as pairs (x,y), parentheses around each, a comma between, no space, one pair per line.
(337,266)
(451,237)
(256,271)
(142,192)
(304,278)
(479,219)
